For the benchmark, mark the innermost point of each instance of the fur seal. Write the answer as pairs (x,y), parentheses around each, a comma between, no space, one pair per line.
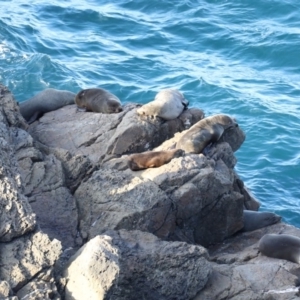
(254,219)
(281,246)
(168,104)
(206,131)
(152,159)
(98,100)
(45,101)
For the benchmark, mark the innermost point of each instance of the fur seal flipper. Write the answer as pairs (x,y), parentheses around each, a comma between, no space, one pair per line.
(168,104)
(281,246)
(152,159)
(206,131)
(45,101)
(98,100)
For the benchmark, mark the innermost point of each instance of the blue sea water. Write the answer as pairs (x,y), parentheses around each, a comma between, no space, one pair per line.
(236,57)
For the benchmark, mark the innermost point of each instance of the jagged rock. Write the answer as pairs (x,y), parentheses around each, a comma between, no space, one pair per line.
(16,216)
(113,200)
(96,135)
(43,287)
(4,289)
(43,177)
(191,199)
(136,265)
(202,202)
(240,272)
(24,257)
(250,202)
(9,110)
(76,167)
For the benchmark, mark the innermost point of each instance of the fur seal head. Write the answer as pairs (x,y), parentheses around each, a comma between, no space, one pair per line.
(98,100)
(168,104)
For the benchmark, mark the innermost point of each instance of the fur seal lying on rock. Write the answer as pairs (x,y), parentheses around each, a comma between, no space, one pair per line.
(206,131)
(98,100)
(152,159)
(254,219)
(45,101)
(281,246)
(168,104)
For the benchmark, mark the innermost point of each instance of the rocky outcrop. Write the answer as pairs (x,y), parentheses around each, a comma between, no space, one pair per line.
(65,183)
(27,255)
(174,201)
(16,215)
(136,265)
(102,135)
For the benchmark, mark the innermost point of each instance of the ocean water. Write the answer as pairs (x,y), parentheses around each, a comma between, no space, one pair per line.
(235,57)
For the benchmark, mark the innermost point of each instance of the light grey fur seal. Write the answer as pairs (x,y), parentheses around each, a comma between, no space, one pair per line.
(254,219)
(206,131)
(168,104)
(98,100)
(281,246)
(45,101)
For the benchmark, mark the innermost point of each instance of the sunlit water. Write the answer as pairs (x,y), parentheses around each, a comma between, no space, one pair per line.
(240,58)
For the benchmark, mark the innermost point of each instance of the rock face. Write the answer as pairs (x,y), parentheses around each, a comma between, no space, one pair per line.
(65,183)
(16,215)
(27,255)
(136,265)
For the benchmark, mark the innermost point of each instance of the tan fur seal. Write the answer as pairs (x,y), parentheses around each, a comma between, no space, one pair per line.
(255,219)
(168,104)
(281,246)
(45,101)
(152,159)
(206,131)
(98,100)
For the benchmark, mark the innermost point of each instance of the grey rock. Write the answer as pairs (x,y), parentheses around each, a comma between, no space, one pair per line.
(136,265)
(45,186)
(98,135)
(16,215)
(26,256)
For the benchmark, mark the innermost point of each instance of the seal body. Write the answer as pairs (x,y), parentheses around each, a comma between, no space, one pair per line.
(45,101)
(152,159)
(98,100)
(281,246)
(206,131)
(168,104)
(254,219)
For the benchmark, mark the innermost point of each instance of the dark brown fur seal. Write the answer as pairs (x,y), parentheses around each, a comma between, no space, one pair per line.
(152,159)
(206,131)
(281,246)
(98,100)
